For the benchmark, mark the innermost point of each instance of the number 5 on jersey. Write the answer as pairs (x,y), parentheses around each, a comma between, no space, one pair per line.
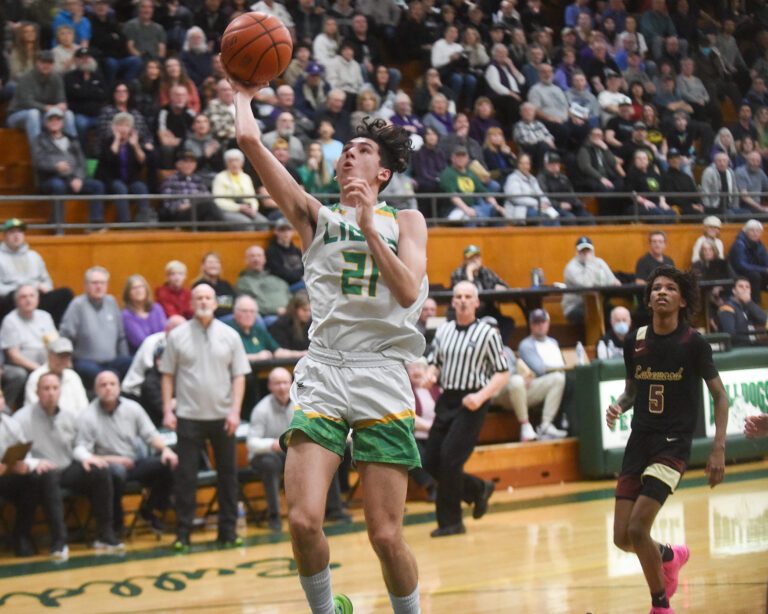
(656,399)
(361,275)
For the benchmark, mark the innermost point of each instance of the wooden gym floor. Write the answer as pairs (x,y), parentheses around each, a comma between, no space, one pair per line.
(541,549)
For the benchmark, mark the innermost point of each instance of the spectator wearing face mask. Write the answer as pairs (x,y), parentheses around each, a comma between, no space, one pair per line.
(613,339)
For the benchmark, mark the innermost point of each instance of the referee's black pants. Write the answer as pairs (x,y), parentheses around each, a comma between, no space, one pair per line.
(451,440)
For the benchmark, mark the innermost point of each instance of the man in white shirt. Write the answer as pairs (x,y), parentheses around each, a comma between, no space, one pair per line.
(584,270)
(541,354)
(73,397)
(611,97)
(24,335)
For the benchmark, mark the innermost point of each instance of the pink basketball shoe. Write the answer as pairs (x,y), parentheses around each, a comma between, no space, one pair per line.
(672,568)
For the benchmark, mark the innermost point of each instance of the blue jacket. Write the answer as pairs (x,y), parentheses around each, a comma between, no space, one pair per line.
(748,256)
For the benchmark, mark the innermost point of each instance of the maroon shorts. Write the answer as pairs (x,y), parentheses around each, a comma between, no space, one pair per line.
(659,455)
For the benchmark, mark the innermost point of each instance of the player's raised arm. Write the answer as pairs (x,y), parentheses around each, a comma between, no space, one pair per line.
(299,207)
(402,272)
(716,462)
(623,403)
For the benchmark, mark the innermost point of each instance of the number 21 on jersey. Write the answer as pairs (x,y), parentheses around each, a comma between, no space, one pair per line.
(362,276)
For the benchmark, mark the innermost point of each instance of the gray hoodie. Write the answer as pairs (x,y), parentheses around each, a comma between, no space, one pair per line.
(24,266)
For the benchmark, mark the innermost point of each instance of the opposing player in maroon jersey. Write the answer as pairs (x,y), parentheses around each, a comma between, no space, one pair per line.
(665,363)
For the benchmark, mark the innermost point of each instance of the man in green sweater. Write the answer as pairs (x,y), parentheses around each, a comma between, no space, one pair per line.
(271,293)
(458,178)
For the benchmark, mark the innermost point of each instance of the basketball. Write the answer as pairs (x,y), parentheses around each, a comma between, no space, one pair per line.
(256,48)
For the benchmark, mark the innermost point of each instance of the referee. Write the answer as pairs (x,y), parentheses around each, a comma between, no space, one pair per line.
(469,355)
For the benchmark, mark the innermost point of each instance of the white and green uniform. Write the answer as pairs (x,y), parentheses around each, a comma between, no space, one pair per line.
(354,374)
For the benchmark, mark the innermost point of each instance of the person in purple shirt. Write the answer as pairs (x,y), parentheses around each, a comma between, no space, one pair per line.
(404,116)
(439,116)
(482,118)
(141,315)
(428,162)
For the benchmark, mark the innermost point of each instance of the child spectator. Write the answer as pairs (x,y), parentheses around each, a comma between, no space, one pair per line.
(172,296)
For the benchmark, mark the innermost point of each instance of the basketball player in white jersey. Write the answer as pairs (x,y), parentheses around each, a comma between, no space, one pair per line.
(365,271)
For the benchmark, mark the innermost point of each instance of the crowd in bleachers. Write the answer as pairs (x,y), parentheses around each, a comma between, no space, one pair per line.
(627,97)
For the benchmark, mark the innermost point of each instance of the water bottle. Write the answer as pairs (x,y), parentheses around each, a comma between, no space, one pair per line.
(602,350)
(241,522)
(581,354)
(537,277)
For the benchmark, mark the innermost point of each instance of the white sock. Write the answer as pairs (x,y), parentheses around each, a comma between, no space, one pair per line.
(406,605)
(317,588)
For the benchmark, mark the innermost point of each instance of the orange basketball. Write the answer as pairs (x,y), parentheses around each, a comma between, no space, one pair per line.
(256,48)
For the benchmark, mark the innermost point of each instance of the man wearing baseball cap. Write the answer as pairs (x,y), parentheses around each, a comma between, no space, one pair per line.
(472,270)
(749,258)
(73,397)
(712,225)
(553,181)
(312,90)
(541,354)
(20,266)
(584,270)
(676,181)
(38,91)
(86,91)
(60,165)
(185,181)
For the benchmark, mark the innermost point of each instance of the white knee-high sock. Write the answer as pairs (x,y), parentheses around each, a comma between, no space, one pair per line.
(317,588)
(406,605)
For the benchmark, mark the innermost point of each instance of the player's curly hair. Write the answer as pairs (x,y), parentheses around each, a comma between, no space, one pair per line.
(394,143)
(689,288)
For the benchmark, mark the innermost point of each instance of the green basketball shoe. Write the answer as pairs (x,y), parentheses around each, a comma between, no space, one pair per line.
(342,604)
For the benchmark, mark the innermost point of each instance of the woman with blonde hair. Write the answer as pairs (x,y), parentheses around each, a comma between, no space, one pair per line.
(724,143)
(26,44)
(234,192)
(210,273)
(141,315)
(497,155)
(314,173)
(172,296)
(368,103)
(477,55)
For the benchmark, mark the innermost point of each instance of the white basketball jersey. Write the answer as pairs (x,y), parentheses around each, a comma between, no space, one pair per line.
(352,307)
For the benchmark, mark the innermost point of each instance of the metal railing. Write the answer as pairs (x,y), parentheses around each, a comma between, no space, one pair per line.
(428,203)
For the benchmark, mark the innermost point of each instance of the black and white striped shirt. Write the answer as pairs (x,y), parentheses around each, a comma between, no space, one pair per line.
(467,356)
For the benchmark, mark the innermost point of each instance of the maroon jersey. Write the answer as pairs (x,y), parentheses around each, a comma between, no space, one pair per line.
(667,371)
